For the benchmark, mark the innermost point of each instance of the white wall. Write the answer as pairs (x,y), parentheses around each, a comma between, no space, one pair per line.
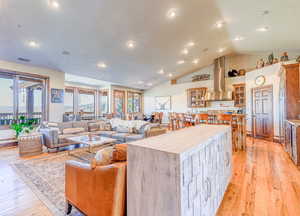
(272,78)
(56,79)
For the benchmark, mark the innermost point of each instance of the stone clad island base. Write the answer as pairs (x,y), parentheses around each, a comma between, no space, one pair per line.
(184,173)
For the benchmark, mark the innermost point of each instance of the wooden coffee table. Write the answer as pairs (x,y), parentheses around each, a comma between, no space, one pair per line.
(91,142)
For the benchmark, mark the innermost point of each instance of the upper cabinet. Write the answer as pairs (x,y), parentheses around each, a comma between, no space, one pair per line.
(239,95)
(196,97)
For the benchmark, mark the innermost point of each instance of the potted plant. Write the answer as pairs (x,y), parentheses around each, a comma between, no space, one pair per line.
(24,125)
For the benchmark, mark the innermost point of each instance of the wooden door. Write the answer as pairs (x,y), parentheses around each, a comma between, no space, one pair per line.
(262,111)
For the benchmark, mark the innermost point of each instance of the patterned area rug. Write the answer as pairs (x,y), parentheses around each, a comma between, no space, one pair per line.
(46,177)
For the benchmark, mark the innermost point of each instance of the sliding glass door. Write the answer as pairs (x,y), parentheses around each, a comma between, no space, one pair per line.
(7,99)
(22,96)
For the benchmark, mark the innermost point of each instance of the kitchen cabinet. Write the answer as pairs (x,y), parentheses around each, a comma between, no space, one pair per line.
(239,95)
(196,97)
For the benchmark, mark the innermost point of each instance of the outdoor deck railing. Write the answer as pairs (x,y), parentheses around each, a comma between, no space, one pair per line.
(9,118)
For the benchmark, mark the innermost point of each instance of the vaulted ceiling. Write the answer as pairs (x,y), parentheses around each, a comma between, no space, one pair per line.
(75,35)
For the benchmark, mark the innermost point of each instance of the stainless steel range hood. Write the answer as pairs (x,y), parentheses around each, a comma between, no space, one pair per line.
(219,92)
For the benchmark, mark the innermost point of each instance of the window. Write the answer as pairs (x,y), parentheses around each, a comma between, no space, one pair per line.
(86,101)
(134,102)
(119,102)
(29,92)
(69,101)
(103,102)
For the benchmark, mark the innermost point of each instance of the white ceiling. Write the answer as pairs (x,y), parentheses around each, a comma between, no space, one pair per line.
(97,31)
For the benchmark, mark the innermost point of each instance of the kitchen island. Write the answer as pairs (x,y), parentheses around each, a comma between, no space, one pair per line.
(181,173)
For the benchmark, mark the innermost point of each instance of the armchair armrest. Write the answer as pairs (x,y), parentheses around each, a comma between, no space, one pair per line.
(98,191)
(50,136)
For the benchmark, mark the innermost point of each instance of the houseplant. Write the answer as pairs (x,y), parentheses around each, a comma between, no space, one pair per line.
(24,125)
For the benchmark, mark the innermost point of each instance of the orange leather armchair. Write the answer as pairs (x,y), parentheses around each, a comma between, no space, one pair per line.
(99,191)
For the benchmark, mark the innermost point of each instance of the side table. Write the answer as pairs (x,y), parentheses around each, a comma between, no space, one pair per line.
(30,144)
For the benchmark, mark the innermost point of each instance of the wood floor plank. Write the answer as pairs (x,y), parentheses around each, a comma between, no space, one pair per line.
(264,182)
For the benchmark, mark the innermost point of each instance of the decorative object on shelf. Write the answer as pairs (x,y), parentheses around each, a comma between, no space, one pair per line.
(163,103)
(298,59)
(275,61)
(271,59)
(242,72)
(239,95)
(260,64)
(233,73)
(260,80)
(196,97)
(284,57)
(200,77)
(57,95)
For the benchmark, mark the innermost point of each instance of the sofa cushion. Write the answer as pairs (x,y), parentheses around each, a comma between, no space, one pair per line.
(94,126)
(106,133)
(73,130)
(80,124)
(134,137)
(119,153)
(120,136)
(124,129)
(104,156)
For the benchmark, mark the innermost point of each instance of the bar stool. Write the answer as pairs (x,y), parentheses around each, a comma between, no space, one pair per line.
(227,119)
(203,118)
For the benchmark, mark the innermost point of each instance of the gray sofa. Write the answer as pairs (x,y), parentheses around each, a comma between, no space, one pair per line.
(55,134)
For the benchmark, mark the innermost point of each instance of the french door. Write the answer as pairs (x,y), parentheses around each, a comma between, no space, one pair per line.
(22,95)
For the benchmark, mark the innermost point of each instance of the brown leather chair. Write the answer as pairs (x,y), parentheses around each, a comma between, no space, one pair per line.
(99,191)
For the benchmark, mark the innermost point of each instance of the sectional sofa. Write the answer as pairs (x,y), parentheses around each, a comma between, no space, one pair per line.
(55,134)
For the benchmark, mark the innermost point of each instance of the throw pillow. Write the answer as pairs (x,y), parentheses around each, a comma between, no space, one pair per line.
(93,127)
(104,156)
(107,127)
(120,153)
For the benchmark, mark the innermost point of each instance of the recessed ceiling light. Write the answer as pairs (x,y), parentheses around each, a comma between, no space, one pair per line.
(101,65)
(190,44)
(53,3)
(195,61)
(239,38)
(219,24)
(140,82)
(172,13)
(161,71)
(263,29)
(180,62)
(170,75)
(33,44)
(185,51)
(131,44)
(149,84)
(221,50)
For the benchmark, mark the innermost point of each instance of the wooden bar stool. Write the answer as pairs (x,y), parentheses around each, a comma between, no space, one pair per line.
(203,118)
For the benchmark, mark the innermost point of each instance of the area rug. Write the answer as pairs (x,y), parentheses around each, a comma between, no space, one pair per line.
(46,177)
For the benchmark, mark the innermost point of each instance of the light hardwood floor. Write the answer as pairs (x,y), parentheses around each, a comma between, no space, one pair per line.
(264,182)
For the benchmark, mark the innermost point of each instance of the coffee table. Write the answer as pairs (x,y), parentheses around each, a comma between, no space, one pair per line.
(91,142)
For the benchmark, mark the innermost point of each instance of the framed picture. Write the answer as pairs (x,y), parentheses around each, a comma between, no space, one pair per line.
(163,103)
(57,95)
